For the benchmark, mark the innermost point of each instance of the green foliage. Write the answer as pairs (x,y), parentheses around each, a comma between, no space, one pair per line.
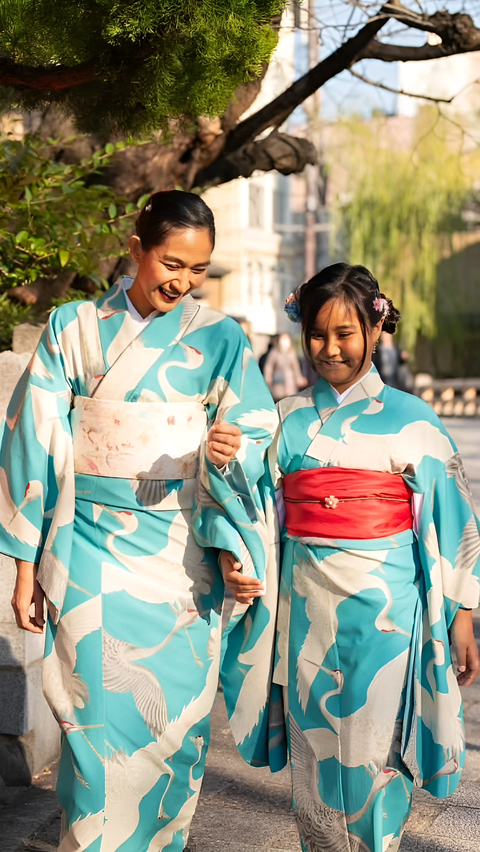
(11,314)
(154,59)
(54,215)
(401,207)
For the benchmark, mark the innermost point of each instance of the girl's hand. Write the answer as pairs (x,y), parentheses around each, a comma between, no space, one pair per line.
(244,589)
(465,647)
(223,443)
(27,592)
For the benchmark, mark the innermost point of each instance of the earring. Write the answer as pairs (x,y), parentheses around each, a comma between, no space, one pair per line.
(375,345)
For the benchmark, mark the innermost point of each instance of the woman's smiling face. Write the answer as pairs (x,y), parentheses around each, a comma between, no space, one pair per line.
(169,271)
(337,346)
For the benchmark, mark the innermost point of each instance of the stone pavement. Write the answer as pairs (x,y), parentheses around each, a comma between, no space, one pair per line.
(248,810)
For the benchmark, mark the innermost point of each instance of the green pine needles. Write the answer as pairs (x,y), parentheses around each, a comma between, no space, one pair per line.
(141,62)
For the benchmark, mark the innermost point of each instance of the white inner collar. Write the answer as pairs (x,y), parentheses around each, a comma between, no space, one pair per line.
(341,396)
(136,317)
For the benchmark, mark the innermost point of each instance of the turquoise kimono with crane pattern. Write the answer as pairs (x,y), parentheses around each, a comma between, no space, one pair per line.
(103,475)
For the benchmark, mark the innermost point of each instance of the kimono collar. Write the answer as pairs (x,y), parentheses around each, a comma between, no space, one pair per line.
(120,330)
(112,302)
(367,388)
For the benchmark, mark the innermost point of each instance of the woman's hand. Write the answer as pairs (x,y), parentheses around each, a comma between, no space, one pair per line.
(244,589)
(223,443)
(27,592)
(465,647)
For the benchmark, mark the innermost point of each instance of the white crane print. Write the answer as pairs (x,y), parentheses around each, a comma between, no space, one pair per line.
(322,828)
(185,815)
(164,577)
(364,738)
(63,687)
(15,523)
(341,576)
(130,777)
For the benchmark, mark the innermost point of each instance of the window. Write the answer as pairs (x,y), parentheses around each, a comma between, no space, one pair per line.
(255,206)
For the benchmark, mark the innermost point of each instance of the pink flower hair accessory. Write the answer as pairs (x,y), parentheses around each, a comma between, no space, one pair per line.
(380,305)
(292,308)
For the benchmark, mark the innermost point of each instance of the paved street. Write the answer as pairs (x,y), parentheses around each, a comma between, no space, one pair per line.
(247,810)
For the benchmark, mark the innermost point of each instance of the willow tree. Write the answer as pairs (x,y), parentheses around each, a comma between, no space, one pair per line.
(402,207)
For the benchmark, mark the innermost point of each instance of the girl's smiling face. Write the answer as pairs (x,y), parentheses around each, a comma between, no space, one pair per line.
(169,271)
(338,349)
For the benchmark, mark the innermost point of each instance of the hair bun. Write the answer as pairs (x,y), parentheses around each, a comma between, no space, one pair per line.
(392,316)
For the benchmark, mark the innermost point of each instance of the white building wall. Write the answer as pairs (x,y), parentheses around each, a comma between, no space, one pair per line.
(456,77)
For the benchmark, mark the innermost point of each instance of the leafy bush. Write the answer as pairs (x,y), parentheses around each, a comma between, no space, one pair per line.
(11,314)
(54,217)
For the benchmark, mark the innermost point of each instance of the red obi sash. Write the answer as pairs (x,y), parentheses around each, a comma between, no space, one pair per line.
(335,502)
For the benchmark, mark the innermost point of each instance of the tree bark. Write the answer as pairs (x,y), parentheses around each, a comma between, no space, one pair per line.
(55,79)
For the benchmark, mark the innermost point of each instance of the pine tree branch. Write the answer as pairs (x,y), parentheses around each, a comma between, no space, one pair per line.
(54,79)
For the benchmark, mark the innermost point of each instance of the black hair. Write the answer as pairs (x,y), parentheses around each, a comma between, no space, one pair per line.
(169,211)
(355,286)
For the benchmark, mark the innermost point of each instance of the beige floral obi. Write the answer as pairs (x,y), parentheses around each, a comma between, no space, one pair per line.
(137,440)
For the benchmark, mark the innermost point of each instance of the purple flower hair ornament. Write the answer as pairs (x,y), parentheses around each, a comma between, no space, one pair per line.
(292,308)
(380,305)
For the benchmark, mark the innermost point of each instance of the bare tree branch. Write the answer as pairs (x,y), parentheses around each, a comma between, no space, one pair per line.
(275,113)
(407,53)
(458,33)
(287,154)
(400,91)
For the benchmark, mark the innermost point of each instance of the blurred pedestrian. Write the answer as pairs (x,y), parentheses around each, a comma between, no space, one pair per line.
(263,358)
(282,369)
(387,359)
(405,378)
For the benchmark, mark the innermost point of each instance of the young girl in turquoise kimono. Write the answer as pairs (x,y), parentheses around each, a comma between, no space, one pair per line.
(105,465)
(380,567)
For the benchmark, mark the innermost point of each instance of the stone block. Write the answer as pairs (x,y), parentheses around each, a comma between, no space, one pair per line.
(14,770)
(25,715)
(42,743)
(13,698)
(7,573)
(19,648)
(12,365)
(26,337)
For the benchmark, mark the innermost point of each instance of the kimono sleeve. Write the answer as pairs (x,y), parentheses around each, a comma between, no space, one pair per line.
(235,512)
(447,530)
(230,506)
(35,454)
(448,535)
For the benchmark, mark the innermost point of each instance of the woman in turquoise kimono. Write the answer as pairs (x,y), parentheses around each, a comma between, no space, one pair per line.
(381,558)
(104,463)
